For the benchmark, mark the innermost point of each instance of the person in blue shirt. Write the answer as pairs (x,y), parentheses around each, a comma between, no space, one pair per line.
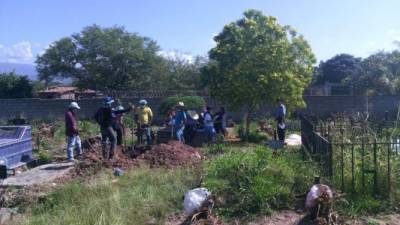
(280,120)
(180,121)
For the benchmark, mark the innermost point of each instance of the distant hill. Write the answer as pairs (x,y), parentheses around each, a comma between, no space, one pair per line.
(22,69)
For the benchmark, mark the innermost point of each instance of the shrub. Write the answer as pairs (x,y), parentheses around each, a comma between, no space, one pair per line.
(191,102)
(44,157)
(88,128)
(254,136)
(216,149)
(362,205)
(257,182)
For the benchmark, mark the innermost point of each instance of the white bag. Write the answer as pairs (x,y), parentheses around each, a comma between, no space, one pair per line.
(315,192)
(194,199)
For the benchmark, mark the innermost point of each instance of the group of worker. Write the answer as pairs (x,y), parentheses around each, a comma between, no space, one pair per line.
(184,124)
(110,120)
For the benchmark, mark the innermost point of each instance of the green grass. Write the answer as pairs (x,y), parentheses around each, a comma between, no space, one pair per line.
(139,197)
(362,205)
(256,182)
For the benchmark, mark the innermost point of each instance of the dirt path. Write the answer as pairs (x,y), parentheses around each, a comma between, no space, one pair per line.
(392,219)
(286,217)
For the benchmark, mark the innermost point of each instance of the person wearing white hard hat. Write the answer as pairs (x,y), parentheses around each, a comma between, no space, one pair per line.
(180,121)
(72,131)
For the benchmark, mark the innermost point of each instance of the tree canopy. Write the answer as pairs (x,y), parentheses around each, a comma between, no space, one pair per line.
(257,60)
(15,86)
(103,59)
(339,67)
(378,74)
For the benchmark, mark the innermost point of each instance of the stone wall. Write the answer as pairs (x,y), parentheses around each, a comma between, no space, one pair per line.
(54,109)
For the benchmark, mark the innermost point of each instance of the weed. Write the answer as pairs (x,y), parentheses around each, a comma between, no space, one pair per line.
(44,157)
(362,205)
(257,181)
(215,149)
(141,196)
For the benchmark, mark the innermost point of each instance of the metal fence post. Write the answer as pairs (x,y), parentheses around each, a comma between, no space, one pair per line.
(353,188)
(375,168)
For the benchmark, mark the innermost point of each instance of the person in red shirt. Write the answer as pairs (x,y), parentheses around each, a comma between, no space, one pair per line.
(72,132)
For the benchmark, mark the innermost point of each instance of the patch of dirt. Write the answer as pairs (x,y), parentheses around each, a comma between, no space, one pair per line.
(172,154)
(286,217)
(392,219)
(46,130)
(184,219)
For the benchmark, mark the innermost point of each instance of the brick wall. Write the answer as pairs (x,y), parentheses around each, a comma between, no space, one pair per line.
(53,109)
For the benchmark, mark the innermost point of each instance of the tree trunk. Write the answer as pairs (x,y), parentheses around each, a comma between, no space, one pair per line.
(247,121)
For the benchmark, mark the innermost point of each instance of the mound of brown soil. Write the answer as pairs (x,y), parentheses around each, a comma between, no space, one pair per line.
(171,155)
(168,155)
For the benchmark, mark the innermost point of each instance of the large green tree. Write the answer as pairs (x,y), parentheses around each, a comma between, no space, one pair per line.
(380,74)
(103,59)
(256,60)
(183,75)
(338,68)
(15,86)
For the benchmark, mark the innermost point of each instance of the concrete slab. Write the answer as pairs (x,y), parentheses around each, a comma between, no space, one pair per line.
(39,175)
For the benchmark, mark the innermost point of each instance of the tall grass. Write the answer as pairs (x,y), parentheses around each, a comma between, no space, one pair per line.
(257,181)
(141,196)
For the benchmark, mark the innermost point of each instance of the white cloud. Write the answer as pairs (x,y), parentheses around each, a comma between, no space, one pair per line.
(393,35)
(1,46)
(20,52)
(372,43)
(43,50)
(175,55)
(212,39)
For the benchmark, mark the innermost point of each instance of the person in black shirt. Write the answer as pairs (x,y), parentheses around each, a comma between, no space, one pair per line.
(105,118)
(220,121)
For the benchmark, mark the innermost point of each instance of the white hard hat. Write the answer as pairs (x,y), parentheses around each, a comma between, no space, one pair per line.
(193,114)
(143,102)
(74,105)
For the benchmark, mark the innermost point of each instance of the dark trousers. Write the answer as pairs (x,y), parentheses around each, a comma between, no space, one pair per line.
(145,129)
(281,133)
(189,133)
(108,134)
(119,131)
(218,128)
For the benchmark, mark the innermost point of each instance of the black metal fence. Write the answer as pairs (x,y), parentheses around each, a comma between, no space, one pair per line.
(362,163)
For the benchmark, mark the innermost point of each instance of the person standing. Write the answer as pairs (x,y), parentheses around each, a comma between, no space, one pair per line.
(180,121)
(209,124)
(72,132)
(118,123)
(104,117)
(220,121)
(144,118)
(280,120)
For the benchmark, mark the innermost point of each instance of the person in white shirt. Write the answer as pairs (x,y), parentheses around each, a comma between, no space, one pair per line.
(209,124)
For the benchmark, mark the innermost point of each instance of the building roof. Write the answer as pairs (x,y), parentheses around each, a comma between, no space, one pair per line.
(60,90)
(63,90)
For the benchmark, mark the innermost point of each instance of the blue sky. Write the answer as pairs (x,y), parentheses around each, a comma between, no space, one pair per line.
(357,27)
